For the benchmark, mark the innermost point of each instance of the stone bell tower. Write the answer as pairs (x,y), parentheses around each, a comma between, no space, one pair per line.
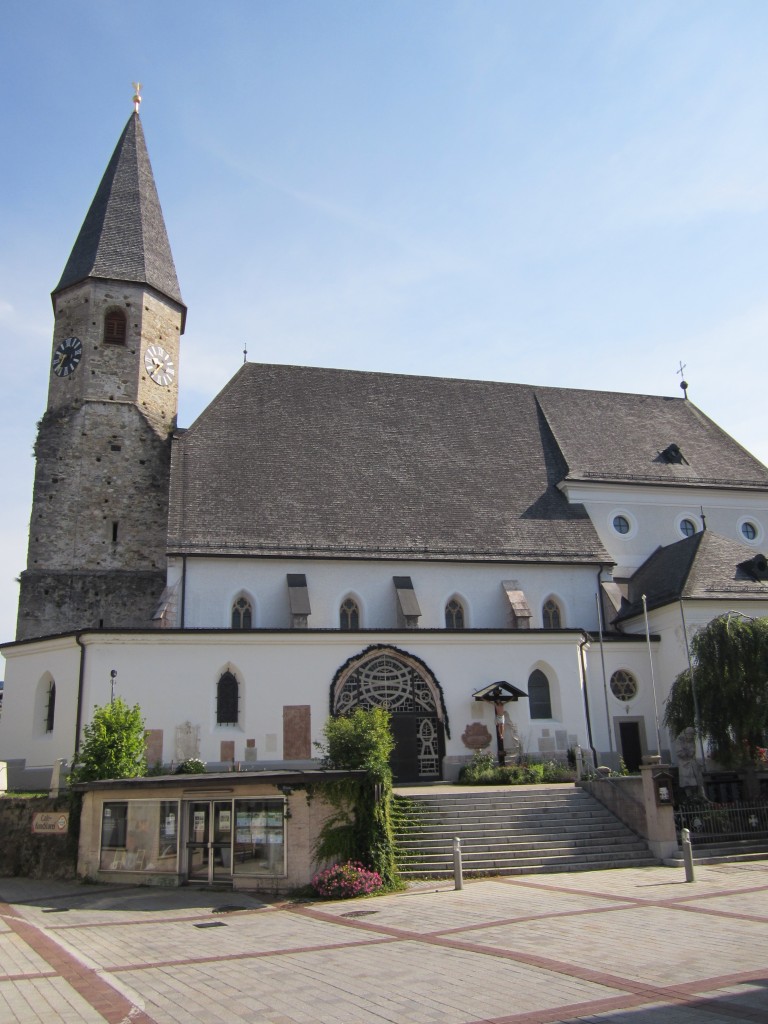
(100,505)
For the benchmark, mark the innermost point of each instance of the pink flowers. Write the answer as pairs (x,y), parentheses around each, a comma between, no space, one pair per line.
(345,881)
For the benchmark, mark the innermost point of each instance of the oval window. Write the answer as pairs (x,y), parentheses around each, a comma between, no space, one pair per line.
(687,527)
(621,524)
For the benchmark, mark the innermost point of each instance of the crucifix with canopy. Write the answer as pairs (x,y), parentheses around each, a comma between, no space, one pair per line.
(499,694)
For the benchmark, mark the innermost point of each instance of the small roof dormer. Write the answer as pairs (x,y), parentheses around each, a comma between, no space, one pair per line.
(673,455)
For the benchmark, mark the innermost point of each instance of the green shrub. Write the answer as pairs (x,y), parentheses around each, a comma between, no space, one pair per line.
(483,770)
(192,766)
(361,828)
(114,745)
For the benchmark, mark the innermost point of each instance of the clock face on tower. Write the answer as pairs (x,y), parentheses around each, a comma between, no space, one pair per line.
(66,356)
(159,365)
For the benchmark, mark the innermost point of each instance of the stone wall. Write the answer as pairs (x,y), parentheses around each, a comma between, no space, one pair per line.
(100,499)
(35,856)
(97,531)
(117,372)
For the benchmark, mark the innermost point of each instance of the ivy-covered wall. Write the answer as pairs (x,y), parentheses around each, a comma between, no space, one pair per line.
(35,856)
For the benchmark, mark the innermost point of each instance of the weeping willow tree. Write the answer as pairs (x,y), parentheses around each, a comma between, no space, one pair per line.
(730,658)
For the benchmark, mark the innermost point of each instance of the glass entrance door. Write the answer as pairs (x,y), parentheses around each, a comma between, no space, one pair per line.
(209,840)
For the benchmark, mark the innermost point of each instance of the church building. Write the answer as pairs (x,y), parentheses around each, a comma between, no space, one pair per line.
(325,539)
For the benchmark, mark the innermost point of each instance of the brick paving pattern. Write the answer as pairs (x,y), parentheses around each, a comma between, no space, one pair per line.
(634,946)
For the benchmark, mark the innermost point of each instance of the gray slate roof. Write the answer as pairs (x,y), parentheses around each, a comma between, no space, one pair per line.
(123,237)
(297,460)
(306,461)
(620,437)
(705,566)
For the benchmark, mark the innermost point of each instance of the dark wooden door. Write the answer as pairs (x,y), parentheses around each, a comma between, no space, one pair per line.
(631,748)
(405,756)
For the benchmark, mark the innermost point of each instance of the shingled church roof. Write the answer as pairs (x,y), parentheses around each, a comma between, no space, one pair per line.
(705,566)
(123,237)
(635,439)
(305,461)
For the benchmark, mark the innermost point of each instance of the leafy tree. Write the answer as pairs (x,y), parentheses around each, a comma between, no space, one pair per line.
(731,679)
(361,828)
(114,744)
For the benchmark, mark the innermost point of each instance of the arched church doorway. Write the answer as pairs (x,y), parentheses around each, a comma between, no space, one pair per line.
(389,678)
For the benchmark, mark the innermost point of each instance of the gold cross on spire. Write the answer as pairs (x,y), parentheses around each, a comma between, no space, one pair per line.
(136,96)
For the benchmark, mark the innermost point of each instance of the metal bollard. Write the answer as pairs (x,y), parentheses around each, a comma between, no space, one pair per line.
(687,854)
(457,873)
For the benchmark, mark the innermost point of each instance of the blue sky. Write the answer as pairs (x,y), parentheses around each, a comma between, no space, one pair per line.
(565,192)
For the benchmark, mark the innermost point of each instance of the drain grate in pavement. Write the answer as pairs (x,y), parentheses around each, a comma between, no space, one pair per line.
(211,924)
(56,910)
(359,913)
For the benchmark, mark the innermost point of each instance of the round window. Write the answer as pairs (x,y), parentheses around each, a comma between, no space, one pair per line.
(687,527)
(623,685)
(621,524)
(749,530)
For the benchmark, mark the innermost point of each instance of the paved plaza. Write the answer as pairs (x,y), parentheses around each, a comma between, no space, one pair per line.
(634,946)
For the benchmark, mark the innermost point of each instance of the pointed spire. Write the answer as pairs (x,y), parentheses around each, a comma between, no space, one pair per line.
(123,237)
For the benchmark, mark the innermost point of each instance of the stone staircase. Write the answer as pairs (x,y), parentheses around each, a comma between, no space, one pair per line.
(517,830)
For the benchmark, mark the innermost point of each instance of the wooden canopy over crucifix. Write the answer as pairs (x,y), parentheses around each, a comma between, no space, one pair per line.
(499,694)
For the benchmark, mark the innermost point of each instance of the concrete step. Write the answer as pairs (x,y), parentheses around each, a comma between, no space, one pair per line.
(580,842)
(510,820)
(521,865)
(509,832)
(722,853)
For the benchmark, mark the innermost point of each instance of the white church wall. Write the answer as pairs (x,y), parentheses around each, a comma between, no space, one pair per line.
(212,584)
(173,677)
(23,725)
(671,656)
(607,711)
(655,514)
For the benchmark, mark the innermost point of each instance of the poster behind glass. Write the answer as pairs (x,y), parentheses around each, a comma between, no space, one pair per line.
(139,835)
(259,837)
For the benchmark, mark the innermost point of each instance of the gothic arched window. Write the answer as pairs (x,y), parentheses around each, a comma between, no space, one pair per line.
(349,615)
(50,711)
(227,699)
(539,699)
(454,614)
(242,614)
(115,327)
(551,614)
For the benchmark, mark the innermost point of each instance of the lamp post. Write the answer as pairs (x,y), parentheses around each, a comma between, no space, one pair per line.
(112,678)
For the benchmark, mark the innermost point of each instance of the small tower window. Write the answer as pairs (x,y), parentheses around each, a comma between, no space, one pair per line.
(454,614)
(349,615)
(242,614)
(551,614)
(114,328)
(227,700)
